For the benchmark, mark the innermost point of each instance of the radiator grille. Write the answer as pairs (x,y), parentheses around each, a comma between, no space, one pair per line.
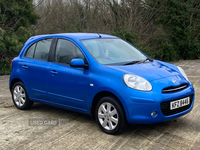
(174,88)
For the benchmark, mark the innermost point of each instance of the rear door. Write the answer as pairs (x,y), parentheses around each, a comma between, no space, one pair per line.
(68,85)
(34,69)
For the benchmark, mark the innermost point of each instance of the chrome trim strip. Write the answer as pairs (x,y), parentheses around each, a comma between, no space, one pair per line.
(175,89)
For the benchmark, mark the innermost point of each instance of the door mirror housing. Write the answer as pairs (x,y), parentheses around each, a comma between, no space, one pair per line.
(77,62)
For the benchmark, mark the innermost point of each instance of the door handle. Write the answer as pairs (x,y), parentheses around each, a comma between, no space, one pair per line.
(25,67)
(53,72)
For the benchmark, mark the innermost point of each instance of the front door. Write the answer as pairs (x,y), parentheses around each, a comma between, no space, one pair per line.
(67,85)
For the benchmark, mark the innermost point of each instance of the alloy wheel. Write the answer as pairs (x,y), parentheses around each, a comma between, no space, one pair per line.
(19,96)
(108,116)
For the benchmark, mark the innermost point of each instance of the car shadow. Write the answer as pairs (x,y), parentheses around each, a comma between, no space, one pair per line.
(59,113)
(139,129)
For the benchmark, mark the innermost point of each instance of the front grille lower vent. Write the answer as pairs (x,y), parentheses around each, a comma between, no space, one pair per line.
(174,88)
(165,107)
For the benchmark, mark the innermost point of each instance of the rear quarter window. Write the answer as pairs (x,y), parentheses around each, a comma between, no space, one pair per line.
(30,51)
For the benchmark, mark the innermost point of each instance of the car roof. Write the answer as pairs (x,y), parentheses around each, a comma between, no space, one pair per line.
(80,36)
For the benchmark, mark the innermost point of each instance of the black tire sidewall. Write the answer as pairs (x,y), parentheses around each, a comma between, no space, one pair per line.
(120,112)
(27,103)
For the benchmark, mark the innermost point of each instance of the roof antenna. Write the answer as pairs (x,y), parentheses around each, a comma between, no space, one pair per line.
(99,35)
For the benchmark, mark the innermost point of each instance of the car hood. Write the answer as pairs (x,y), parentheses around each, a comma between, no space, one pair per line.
(150,71)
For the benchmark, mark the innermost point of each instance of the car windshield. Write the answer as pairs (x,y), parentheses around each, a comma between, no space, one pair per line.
(113,51)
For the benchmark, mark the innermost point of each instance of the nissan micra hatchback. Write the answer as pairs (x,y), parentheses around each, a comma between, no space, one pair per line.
(100,75)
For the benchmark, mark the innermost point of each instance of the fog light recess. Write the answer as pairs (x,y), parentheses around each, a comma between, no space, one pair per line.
(154,113)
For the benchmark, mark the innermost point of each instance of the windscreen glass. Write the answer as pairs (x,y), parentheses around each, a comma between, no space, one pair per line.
(113,51)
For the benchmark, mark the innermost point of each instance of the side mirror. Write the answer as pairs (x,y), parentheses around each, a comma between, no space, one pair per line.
(77,62)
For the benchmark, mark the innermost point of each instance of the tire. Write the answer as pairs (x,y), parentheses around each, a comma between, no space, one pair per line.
(113,120)
(20,96)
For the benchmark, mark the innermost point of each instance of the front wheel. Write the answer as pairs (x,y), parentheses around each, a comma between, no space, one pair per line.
(20,96)
(110,115)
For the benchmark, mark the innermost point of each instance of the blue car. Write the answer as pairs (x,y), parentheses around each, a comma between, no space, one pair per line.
(101,75)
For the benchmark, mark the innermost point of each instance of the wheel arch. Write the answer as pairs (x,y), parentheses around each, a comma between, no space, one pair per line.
(15,80)
(100,95)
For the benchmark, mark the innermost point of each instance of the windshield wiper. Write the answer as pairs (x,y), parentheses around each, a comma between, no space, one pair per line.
(147,60)
(138,61)
(132,62)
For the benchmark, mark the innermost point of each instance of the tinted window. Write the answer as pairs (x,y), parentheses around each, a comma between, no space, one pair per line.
(42,49)
(66,51)
(30,51)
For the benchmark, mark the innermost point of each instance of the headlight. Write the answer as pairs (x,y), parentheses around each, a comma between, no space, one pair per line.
(136,82)
(183,72)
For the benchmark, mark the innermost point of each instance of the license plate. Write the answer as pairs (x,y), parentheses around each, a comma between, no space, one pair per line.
(179,103)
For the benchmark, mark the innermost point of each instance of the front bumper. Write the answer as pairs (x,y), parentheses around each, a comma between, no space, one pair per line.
(139,104)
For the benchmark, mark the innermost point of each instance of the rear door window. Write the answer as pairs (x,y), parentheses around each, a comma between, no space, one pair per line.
(39,50)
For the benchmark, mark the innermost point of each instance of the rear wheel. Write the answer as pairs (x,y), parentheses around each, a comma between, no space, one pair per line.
(110,115)
(20,97)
